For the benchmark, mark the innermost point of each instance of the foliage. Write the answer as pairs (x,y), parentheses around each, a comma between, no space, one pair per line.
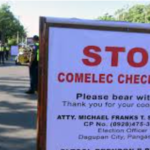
(106,17)
(136,13)
(9,24)
(12,41)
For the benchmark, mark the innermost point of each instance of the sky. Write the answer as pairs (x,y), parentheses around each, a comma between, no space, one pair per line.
(28,12)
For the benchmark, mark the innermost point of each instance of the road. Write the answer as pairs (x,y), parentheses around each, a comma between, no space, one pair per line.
(17,110)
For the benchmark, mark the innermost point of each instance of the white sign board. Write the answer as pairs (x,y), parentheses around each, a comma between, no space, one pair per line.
(98,90)
(14,50)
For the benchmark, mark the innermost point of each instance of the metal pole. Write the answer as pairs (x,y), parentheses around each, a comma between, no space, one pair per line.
(17,37)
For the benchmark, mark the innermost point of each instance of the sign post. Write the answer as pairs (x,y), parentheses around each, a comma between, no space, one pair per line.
(14,50)
(94,85)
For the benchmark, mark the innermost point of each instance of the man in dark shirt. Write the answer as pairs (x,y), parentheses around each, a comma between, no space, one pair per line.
(2,59)
(33,67)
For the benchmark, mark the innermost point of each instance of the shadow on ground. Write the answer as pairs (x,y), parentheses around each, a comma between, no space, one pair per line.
(26,144)
(18,111)
(9,63)
(19,115)
(14,87)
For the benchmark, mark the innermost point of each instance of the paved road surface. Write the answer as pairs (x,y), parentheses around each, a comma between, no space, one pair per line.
(17,110)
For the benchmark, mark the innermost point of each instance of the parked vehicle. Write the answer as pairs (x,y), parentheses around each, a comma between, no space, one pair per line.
(23,56)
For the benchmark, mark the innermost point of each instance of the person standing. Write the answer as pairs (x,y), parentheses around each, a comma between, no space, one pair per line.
(7,49)
(2,53)
(33,66)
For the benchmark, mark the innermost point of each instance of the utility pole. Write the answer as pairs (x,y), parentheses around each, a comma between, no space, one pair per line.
(17,37)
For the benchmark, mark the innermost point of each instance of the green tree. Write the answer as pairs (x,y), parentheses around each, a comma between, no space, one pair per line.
(9,24)
(136,13)
(133,14)
(106,17)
